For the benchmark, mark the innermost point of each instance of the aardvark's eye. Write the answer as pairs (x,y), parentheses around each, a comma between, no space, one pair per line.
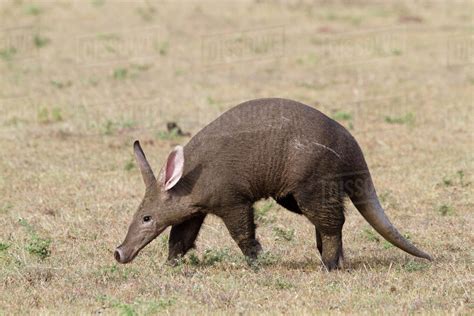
(147,219)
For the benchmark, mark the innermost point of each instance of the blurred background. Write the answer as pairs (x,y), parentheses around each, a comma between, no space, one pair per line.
(80,80)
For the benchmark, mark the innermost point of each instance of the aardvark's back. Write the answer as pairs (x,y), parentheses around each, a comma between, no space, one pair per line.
(265,147)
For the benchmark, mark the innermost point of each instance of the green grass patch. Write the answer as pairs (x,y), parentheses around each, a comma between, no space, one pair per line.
(142,67)
(4,246)
(39,247)
(407,119)
(342,116)
(110,127)
(460,174)
(5,208)
(34,10)
(7,54)
(168,135)
(40,41)
(445,210)
(60,84)
(213,256)
(267,258)
(114,272)
(447,181)
(262,210)
(413,266)
(137,307)
(147,13)
(162,48)
(46,116)
(211,101)
(397,52)
(98,3)
(120,73)
(283,234)
(282,284)
(210,257)
(371,235)
(130,164)
(36,246)
(457,179)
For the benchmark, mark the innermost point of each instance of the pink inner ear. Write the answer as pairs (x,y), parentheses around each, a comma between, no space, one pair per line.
(170,166)
(174,168)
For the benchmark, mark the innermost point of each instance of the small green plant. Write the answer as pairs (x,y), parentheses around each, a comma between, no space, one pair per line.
(7,53)
(213,256)
(147,13)
(261,212)
(407,119)
(109,128)
(40,41)
(447,181)
(458,178)
(167,135)
(397,52)
(161,304)
(5,208)
(56,115)
(137,307)
(445,210)
(130,164)
(371,235)
(460,174)
(45,116)
(142,67)
(120,73)
(33,10)
(283,284)
(4,246)
(342,116)
(211,101)
(127,124)
(163,48)
(164,240)
(114,272)
(266,258)
(283,234)
(194,260)
(108,269)
(413,266)
(384,196)
(61,85)
(98,3)
(37,245)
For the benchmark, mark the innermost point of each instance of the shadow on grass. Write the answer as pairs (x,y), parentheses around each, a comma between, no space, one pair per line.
(313,264)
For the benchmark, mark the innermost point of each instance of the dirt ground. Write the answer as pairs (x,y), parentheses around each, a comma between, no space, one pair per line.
(81,80)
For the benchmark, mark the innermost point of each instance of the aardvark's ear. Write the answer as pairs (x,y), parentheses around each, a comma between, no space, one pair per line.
(173,169)
(145,168)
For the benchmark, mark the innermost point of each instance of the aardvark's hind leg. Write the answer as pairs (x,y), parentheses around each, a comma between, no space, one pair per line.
(328,221)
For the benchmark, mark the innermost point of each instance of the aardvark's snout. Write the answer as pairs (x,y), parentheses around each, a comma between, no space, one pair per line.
(121,257)
(118,255)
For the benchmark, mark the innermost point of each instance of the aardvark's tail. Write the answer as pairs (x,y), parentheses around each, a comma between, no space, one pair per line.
(366,201)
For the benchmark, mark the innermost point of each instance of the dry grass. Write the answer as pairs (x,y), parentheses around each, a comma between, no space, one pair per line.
(79,81)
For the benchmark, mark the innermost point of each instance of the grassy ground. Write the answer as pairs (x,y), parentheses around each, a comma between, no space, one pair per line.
(80,80)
